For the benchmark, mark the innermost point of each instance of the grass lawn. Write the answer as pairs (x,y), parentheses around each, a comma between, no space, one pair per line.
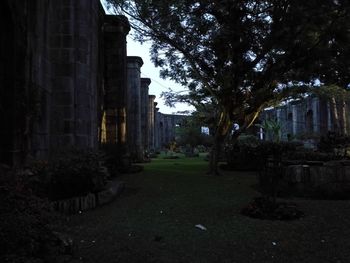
(154,221)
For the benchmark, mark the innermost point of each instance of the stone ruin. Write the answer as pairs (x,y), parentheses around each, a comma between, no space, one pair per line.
(66,80)
(310,117)
(309,120)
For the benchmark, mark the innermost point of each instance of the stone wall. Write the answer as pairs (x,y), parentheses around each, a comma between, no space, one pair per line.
(330,180)
(52,75)
(65,81)
(74,48)
(13,82)
(302,118)
(166,125)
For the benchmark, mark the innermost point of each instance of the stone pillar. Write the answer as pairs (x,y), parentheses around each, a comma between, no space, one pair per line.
(73,53)
(156,129)
(160,129)
(329,117)
(151,123)
(315,105)
(295,119)
(115,30)
(134,133)
(144,112)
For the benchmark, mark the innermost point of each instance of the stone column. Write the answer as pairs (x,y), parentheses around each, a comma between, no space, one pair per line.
(156,127)
(115,30)
(134,133)
(73,55)
(145,82)
(151,123)
(315,104)
(295,119)
(160,129)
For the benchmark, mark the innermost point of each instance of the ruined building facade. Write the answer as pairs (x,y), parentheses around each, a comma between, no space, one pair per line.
(51,66)
(66,80)
(166,128)
(310,117)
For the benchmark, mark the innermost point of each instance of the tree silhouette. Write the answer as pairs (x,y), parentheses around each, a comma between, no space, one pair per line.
(243,55)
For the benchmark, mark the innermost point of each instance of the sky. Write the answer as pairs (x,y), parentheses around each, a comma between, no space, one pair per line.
(148,70)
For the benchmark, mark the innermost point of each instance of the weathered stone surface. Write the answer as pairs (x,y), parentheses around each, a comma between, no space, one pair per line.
(145,82)
(115,30)
(332,179)
(134,133)
(151,123)
(69,57)
(112,190)
(308,116)
(347,174)
(58,53)
(166,127)
(76,204)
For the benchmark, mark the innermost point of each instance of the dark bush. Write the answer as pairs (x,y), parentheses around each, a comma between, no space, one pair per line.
(112,155)
(76,172)
(277,149)
(70,172)
(309,155)
(250,153)
(24,232)
(243,154)
(116,159)
(338,145)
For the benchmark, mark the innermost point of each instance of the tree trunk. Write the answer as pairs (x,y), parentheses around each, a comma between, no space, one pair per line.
(335,115)
(215,156)
(221,132)
(344,119)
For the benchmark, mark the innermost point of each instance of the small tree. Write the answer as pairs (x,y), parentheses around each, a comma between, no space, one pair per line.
(190,134)
(272,127)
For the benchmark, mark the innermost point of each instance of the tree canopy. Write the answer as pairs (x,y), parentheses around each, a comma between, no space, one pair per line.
(244,55)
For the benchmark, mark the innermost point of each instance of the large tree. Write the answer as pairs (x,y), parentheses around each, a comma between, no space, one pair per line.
(243,55)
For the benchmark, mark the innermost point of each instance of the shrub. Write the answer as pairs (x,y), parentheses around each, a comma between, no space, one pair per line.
(309,155)
(114,158)
(202,149)
(249,153)
(243,154)
(70,172)
(24,232)
(336,144)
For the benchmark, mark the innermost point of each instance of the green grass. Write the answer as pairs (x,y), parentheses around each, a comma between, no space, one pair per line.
(154,221)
